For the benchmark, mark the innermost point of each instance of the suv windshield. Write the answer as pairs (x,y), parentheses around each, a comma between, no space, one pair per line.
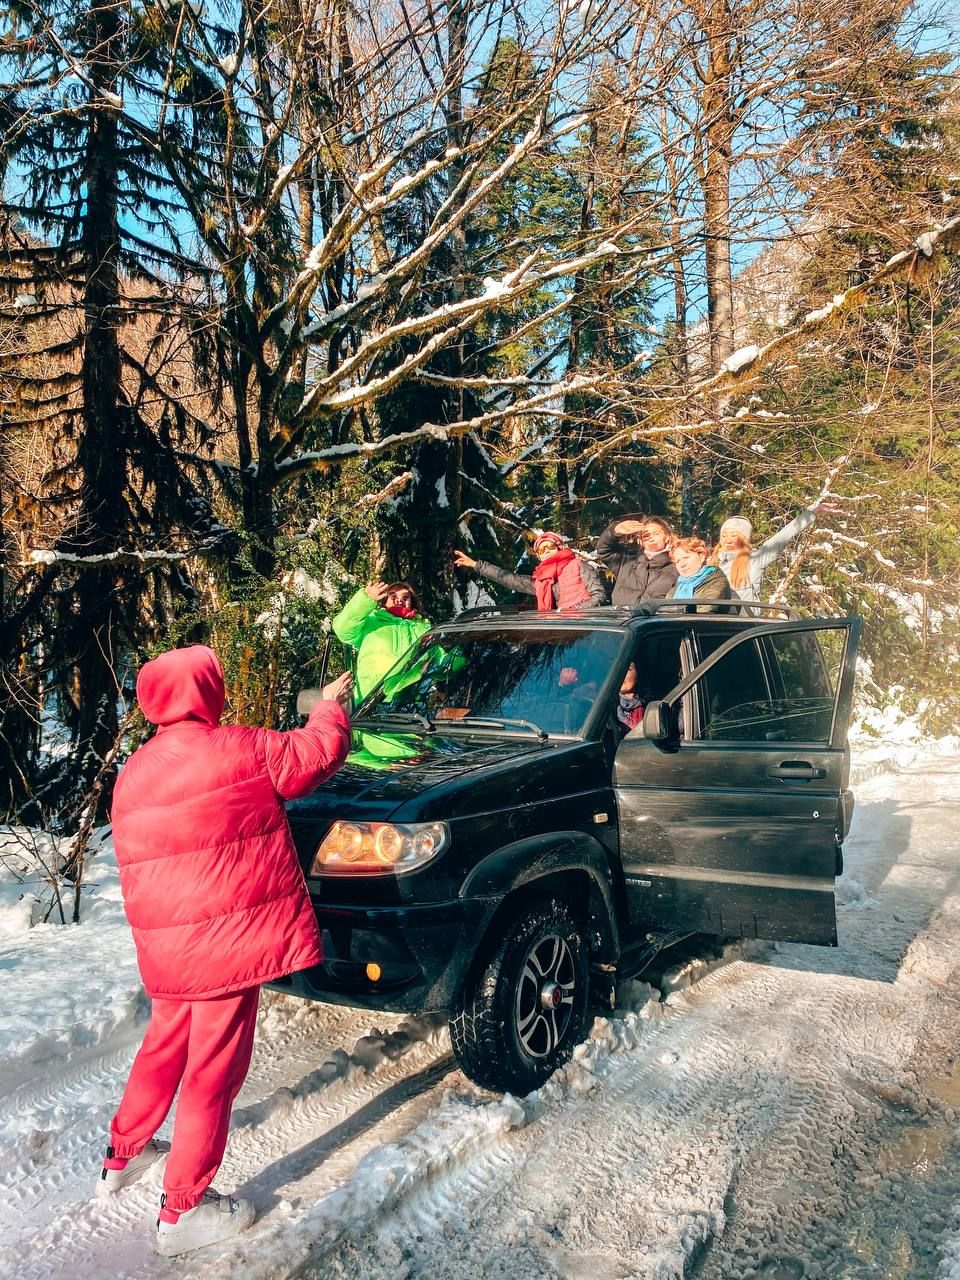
(530,679)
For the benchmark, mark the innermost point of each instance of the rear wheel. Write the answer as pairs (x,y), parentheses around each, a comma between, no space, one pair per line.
(524,1011)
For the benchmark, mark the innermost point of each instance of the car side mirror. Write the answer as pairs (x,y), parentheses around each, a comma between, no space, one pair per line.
(307,699)
(658,721)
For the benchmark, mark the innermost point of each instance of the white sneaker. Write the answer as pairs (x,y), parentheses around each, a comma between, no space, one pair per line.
(113,1180)
(214,1219)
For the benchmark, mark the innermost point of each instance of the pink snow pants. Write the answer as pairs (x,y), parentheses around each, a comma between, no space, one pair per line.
(203,1047)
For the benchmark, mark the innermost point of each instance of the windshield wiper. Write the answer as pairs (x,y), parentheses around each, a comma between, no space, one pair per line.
(402,717)
(506,722)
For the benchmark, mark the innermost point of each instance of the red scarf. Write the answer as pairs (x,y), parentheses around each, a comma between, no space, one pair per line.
(547,573)
(400,611)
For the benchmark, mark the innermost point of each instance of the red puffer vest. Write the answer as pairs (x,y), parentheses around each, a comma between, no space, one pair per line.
(559,583)
(570,589)
(210,878)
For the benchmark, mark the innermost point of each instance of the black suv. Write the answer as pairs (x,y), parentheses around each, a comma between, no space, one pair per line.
(501,845)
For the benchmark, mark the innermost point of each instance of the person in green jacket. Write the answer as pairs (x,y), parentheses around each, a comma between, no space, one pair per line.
(381,621)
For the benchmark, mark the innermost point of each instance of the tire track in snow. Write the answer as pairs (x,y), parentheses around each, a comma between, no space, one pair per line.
(265,1134)
(535,1175)
(746,1087)
(58,1124)
(461,1151)
(274,1124)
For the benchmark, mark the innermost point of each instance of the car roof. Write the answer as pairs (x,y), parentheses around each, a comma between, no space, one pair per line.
(619,617)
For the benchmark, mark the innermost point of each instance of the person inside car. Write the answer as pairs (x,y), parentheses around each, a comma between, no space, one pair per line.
(381,621)
(636,550)
(218,905)
(562,580)
(629,704)
(698,580)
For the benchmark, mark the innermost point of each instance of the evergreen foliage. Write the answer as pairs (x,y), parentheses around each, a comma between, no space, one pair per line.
(294,296)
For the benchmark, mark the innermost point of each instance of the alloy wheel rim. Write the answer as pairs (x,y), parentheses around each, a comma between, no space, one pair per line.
(545,994)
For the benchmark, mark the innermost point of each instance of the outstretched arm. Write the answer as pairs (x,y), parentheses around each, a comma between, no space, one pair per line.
(776,545)
(512,581)
(298,760)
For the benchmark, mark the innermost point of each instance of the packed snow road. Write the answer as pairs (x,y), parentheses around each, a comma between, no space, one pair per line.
(788,1113)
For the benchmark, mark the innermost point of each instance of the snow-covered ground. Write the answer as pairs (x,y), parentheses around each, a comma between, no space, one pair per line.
(788,1113)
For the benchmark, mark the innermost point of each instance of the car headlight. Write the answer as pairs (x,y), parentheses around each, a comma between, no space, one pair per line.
(384,848)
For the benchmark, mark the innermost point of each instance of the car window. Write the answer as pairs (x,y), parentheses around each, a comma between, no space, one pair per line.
(658,664)
(551,678)
(796,663)
(789,699)
(731,690)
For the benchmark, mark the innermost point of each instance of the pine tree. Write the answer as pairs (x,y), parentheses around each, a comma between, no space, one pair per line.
(89,249)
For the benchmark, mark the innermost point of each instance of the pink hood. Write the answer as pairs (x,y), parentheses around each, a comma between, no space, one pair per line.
(182,684)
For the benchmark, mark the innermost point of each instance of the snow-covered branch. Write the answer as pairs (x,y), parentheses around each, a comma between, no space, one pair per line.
(742,368)
(71,560)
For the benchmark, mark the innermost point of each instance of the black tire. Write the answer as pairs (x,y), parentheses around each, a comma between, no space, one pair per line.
(513,1029)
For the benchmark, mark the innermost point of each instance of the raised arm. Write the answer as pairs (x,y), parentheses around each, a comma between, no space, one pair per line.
(613,547)
(350,623)
(776,545)
(298,760)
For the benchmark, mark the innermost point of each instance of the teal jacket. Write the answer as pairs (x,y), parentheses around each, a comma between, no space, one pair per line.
(379,638)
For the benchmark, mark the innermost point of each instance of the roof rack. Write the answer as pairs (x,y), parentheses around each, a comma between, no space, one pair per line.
(491,610)
(721,608)
(728,608)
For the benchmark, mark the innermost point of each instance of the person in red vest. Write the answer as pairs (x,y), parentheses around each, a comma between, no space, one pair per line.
(218,905)
(562,580)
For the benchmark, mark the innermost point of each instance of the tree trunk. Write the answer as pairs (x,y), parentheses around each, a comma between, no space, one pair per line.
(95,630)
(718,151)
(569,504)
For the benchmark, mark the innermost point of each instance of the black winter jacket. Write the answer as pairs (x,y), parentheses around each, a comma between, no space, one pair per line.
(637,576)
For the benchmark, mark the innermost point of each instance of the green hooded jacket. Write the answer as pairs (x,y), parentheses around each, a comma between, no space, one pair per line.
(379,638)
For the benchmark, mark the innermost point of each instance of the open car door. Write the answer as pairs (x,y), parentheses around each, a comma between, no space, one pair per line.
(732,793)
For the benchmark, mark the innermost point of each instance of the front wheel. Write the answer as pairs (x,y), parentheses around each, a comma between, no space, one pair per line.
(524,1011)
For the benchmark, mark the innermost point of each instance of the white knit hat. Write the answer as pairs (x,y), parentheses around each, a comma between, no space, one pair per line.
(738,524)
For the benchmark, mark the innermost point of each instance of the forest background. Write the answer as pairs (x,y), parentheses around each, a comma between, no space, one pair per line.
(293,295)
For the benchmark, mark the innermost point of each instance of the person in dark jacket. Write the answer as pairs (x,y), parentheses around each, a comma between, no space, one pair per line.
(218,905)
(697,579)
(562,580)
(636,550)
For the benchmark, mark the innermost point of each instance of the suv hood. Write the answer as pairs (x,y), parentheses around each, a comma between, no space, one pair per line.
(386,770)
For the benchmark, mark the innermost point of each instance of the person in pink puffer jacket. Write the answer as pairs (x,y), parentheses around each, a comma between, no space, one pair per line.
(218,905)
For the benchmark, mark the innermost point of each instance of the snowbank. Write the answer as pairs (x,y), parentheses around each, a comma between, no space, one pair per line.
(66,987)
(888,740)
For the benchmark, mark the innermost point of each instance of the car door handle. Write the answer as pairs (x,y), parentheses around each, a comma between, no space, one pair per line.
(795,771)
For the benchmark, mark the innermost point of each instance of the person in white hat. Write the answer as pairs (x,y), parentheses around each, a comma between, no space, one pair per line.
(743,563)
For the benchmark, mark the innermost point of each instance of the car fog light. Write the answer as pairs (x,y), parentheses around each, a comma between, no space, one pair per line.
(378,848)
(373,972)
